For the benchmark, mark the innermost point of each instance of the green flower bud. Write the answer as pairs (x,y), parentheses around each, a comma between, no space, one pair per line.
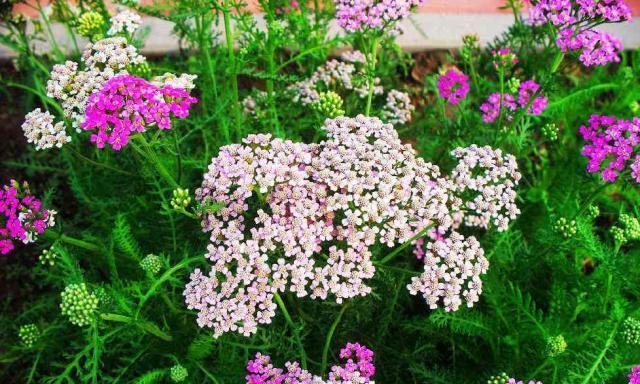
(328,105)
(634,106)
(593,211)
(502,378)
(28,334)
(178,373)
(566,228)
(631,227)
(631,331)
(79,304)
(141,69)
(48,257)
(91,25)
(151,264)
(513,84)
(550,131)
(180,199)
(618,235)
(104,298)
(556,345)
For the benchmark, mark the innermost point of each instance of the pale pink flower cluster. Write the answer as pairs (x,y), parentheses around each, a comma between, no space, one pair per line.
(452,269)
(346,74)
(303,217)
(364,15)
(358,369)
(39,130)
(124,21)
(101,60)
(398,108)
(488,179)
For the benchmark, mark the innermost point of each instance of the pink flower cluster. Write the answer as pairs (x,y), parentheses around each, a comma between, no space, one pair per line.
(318,210)
(358,369)
(504,58)
(611,146)
(575,19)
(127,104)
(22,217)
(363,15)
(453,86)
(525,99)
(597,48)
(634,376)
(514,381)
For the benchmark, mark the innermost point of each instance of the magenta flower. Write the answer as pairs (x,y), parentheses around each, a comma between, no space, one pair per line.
(526,91)
(358,369)
(491,108)
(127,104)
(22,217)
(610,146)
(504,58)
(634,376)
(609,10)
(596,48)
(453,86)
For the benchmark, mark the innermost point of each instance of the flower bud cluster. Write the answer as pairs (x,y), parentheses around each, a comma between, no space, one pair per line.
(78,304)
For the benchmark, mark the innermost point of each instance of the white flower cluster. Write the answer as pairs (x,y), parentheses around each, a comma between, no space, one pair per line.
(452,269)
(124,21)
(39,130)
(184,81)
(398,108)
(487,179)
(340,75)
(318,210)
(102,60)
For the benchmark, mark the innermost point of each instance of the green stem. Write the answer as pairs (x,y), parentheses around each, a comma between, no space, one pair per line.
(327,342)
(371,69)
(294,329)
(404,245)
(72,241)
(146,326)
(148,152)
(232,62)
(271,70)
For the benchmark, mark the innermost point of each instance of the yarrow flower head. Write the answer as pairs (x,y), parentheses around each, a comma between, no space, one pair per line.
(359,187)
(501,378)
(398,108)
(39,130)
(453,86)
(178,373)
(78,304)
(127,104)
(551,131)
(611,146)
(375,15)
(22,217)
(124,21)
(596,47)
(28,334)
(509,103)
(575,18)
(180,199)
(634,376)
(358,369)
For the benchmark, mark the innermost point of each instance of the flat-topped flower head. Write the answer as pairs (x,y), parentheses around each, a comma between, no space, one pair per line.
(127,104)
(40,130)
(453,86)
(124,21)
(611,146)
(594,47)
(372,15)
(22,217)
(358,368)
